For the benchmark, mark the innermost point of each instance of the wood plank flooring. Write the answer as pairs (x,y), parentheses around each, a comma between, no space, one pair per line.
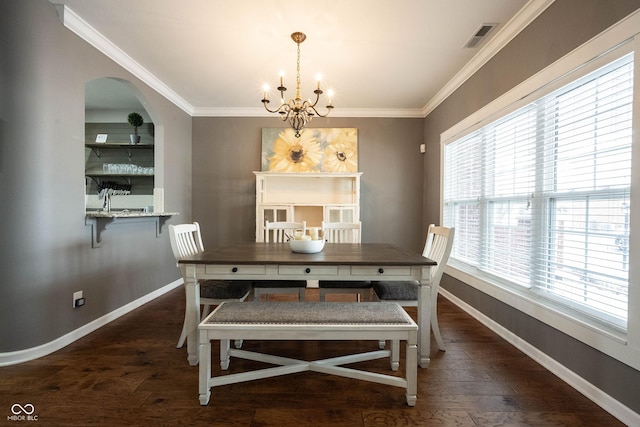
(130,373)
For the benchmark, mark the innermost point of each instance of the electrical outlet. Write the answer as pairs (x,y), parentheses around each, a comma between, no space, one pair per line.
(78,300)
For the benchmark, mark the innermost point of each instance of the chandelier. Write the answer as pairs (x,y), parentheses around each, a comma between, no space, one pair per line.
(297,112)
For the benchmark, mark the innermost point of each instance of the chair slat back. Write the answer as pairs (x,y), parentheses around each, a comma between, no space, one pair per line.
(342,232)
(277,231)
(185,240)
(438,248)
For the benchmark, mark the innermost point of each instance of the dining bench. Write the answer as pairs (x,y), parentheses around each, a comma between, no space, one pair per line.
(308,321)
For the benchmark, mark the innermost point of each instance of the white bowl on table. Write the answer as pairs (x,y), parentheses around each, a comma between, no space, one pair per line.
(306,246)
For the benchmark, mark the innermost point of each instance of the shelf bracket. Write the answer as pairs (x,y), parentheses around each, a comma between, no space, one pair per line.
(128,150)
(98,225)
(96,150)
(160,223)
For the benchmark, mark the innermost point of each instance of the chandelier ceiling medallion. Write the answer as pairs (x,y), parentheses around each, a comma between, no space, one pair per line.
(297,112)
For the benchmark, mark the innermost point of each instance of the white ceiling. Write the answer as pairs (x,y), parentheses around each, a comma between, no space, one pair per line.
(382,57)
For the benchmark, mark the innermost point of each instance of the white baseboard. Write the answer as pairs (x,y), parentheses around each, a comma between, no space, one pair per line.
(15,357)
(599,397)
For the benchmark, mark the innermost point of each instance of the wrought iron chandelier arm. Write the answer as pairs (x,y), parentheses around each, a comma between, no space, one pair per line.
(312,107)
(265,102)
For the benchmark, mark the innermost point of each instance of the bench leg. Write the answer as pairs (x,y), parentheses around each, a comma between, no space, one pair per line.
(224,354)
(204,369)
(411,370)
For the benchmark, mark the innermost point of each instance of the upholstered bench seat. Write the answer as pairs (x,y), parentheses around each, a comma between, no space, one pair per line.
(308,321)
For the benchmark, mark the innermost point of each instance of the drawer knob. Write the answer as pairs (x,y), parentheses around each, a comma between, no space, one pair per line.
(381,270)
(307,270)
(234,270)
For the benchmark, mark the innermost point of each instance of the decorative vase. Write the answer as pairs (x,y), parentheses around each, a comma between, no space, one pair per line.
(135,139)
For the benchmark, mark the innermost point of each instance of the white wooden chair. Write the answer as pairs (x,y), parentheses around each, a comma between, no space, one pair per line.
(186,241)
(280,232)
(343,232)
(437,247)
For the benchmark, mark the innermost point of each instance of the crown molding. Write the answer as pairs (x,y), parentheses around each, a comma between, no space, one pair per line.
(341,112)
(524,17)
(379,112)
(505,34)
(80,27)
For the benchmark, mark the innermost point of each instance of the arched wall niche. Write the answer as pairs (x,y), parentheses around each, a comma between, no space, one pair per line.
(108,102)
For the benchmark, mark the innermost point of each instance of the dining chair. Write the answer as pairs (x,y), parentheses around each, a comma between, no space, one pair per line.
(280,232)
(343,232)
(437,247)
(186,241)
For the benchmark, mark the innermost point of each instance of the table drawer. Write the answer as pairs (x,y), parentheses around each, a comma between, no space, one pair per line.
(323,270)
(380,271)
(236,269)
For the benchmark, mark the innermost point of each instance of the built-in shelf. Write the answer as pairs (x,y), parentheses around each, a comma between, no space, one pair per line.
(99,220)
(117,162)
(103,174)
(99,177)
(96,147)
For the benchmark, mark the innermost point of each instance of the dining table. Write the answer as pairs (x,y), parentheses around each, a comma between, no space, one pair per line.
(257,261)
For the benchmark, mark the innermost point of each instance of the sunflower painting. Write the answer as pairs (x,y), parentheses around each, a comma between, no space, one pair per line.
(317,150)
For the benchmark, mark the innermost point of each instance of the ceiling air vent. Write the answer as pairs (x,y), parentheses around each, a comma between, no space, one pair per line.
(479,35)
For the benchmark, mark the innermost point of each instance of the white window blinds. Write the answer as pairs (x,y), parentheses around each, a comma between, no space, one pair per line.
(540,197)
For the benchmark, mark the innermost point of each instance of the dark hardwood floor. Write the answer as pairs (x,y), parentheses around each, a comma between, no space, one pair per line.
(130,373)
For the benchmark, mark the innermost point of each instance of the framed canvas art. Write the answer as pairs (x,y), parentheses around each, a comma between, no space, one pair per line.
(332,150)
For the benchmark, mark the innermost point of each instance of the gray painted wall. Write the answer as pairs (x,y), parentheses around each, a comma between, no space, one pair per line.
(562,27)
(46,252)
(226,151)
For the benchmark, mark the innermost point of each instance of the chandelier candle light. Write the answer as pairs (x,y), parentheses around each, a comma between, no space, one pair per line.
(297,112)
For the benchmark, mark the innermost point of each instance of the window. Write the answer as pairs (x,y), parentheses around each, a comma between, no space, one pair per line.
(540,197)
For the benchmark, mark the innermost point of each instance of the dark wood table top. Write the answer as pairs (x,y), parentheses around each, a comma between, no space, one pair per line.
(333,253)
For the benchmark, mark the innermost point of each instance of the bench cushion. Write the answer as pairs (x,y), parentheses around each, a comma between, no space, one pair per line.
(326,313)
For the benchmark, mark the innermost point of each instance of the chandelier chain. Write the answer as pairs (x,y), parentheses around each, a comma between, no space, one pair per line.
(298,97)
